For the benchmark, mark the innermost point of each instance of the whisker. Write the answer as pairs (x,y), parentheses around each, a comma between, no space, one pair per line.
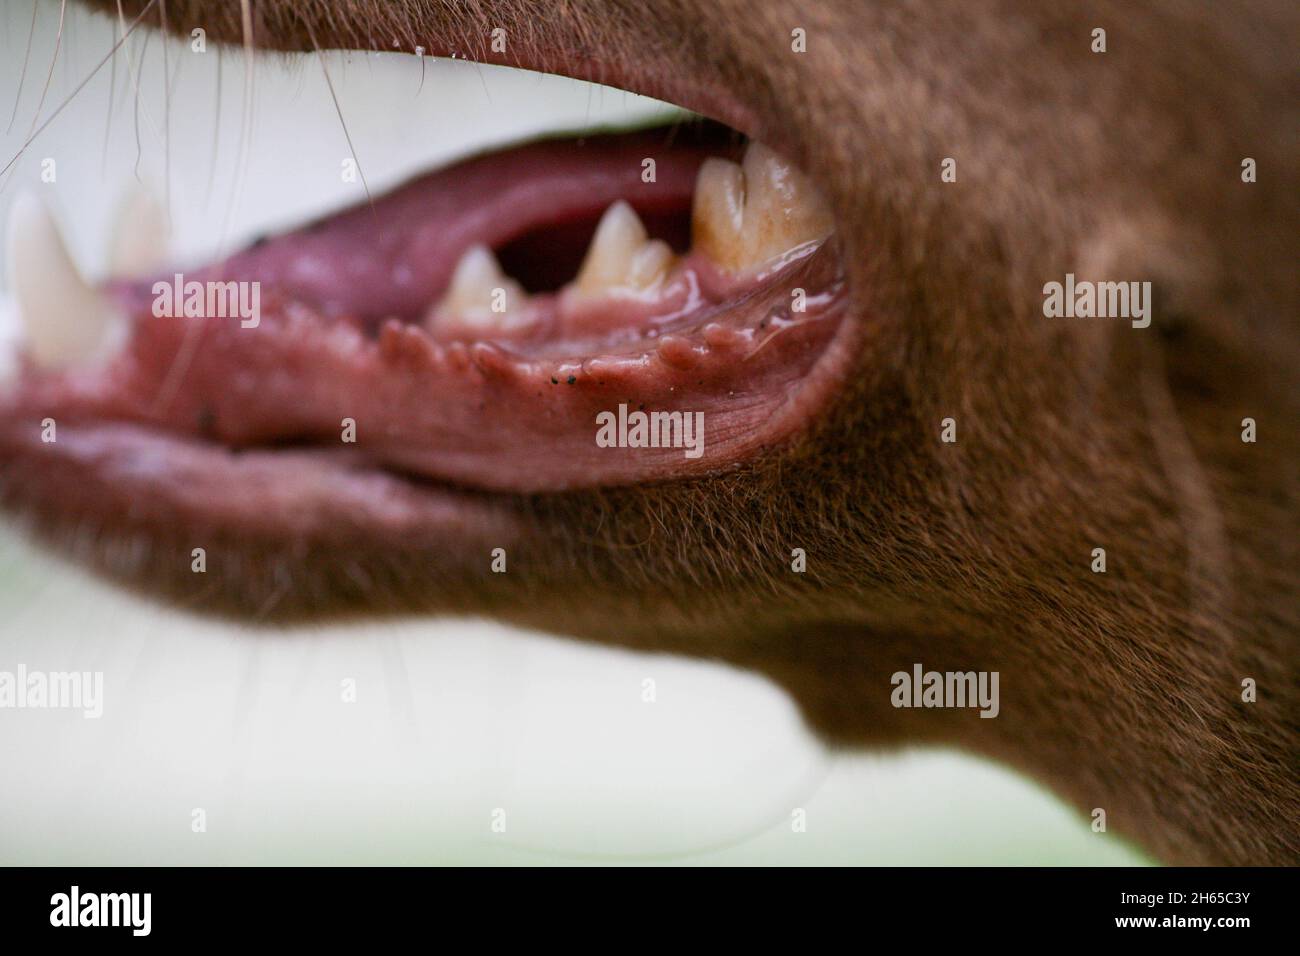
(339,110)
(49,77)
(139,146)
(216,133)
(245,125)
(108,117)
(80,86)
(167,112)
(135,84)
(23,76)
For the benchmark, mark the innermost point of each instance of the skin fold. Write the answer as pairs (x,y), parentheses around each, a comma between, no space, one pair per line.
(1121,690)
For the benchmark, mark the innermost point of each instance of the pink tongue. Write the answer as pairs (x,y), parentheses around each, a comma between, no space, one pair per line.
(395,257)
(328,365)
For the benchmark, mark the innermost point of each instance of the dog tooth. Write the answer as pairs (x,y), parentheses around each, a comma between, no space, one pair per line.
(622,260)
(746,216)
(477,284)
(66,321)
(718,211)
(140,236)
(782,208)
(11,339)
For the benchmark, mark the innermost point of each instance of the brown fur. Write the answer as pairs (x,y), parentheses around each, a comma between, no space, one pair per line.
(1121,690)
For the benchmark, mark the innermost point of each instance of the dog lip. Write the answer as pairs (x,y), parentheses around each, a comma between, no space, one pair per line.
(482,414)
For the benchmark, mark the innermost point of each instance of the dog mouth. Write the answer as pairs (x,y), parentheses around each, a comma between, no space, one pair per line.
(474,324)
(567,313)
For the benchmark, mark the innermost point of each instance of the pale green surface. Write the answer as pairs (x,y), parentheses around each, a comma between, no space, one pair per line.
(454,719)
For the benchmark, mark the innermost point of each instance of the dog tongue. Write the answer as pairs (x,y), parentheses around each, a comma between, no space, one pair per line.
(334,358)
(393,257)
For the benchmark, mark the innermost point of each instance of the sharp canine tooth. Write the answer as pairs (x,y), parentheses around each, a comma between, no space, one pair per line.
(623,259)
(67,322)
(140,236)
(744,216)
(473,290)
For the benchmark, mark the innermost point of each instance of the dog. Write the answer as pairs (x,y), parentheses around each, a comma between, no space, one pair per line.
(1101,512)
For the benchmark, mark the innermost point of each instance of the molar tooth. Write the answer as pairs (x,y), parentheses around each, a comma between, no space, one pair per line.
(622,259)
(782,208)
(747,215)
(140,236)
(67,322)
(473,292)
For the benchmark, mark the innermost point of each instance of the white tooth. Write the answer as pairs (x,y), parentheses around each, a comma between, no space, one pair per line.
(623,259)
(140,236)
(67,322)
(480,293)
(745,216)
(11,338)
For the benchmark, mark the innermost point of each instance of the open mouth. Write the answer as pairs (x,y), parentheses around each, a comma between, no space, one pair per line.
(574,312)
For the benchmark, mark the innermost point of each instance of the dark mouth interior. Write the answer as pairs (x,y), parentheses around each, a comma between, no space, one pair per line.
(545,258)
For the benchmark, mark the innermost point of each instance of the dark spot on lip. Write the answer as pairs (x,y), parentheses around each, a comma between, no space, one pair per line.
(554,380)
(206,420)
(572,379)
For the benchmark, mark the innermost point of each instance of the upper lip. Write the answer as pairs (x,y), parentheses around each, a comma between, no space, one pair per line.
(112,422)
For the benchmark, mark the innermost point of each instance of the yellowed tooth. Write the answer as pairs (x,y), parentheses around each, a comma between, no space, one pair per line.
(718,212)
(480,293)
(782,208)
(747,215)
(140,236)
(622,260)
(65,320)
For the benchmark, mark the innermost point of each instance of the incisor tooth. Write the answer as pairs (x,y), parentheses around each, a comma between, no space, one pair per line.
(140,236)
(746,215)
(623,259)
(66,321)
(480,292)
